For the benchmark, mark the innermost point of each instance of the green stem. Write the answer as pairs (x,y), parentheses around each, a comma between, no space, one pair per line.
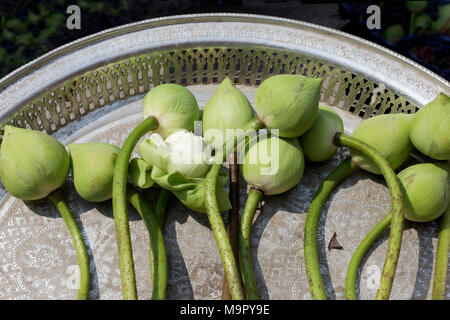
(157,253)
(233,217)
(395,237)
(220,234)
(342,171)
(440,270)
(213,212)
(120,209)
(161,203)
(245,257)
(80,248)
(358,256)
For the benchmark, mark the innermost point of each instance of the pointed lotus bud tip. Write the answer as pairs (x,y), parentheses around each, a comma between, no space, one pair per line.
(32,163)
(289,103)
(226,82)
(228,108)
(389,135)
(430,129)
(174,106)
(93,169)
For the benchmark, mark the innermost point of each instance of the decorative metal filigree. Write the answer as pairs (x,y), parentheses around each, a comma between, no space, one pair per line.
(246,66)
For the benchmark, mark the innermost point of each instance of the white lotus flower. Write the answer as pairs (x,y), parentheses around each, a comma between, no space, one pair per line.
(182,151)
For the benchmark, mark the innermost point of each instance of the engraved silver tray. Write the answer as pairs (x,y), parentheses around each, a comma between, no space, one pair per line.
(91,90)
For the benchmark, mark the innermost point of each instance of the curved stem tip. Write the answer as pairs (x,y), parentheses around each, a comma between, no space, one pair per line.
(360,252)
(245,258)
(396,232)
(80,248)
(157,253)
(342,171)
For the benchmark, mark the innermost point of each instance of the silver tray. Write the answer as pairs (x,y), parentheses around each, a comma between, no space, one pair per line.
(91,90)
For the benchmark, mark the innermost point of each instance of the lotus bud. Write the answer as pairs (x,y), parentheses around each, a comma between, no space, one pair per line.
(426,187)
(140,173)
(32,163)
(430,128)
(173,106)
(228,108)
(181,152)
(318,142)
(93,169)
(289,103)
(416,6)
(394,33)
(389,135)
(272,164)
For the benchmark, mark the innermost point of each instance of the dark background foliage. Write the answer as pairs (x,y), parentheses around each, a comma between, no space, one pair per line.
(30,28)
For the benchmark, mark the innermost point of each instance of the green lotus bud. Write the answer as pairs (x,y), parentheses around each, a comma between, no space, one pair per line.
(272,164)
(427,190)
(289,103)
(416,6)
(140,173)
(93,169)
(443,21)
(32,163)
(317,142)
(228,108)
(181,152)
(174,106)
(389,135)
(430,128)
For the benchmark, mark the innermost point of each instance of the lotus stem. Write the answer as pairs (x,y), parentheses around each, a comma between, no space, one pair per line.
(215,219)
(342,171)
(220,233)
(157,253)
(161,203)
(395,237)
(440,270)
(120,209)
(358,256)
(245,258)
(233,218)
(82,256)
